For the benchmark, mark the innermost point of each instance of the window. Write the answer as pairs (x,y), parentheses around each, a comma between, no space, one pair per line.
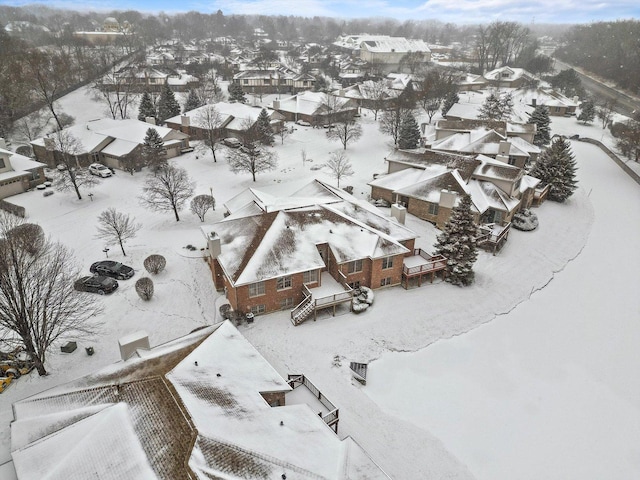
(385,281)
(354,285)
(512,160)
(433,209)
(267,81)
(355,266)
(284,282)
(2,164)
(286,303)
(387,262)
(256,289)
(245,82)
(310,277)
(258,309)
(557,109)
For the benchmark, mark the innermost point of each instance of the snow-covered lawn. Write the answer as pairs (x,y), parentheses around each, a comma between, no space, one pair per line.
(394,416)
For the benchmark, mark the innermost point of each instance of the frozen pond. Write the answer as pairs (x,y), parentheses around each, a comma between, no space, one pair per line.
(549,390)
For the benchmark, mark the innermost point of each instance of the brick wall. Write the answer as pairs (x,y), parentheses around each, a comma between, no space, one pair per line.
(274,399)
(395,272)
(383,193)
(272,297)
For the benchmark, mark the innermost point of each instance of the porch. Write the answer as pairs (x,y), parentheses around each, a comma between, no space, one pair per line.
(492,236)
(306,393)
(328,294)
(420,264)
(540,195)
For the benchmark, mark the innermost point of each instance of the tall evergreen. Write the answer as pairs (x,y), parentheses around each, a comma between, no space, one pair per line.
(496,107)
(587,112)
(153,151)
(146,109)
(193,102)
(409,136)
(263,128)
(449,101)
(168,106)
(236,94)
(458,243)
(556,167)
(540,117)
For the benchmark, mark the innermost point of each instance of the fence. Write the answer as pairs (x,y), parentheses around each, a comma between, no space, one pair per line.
(332,417)
(613,156)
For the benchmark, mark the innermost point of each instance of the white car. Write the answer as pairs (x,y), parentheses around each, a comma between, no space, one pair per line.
(232,142)
(303,123)
(99,169)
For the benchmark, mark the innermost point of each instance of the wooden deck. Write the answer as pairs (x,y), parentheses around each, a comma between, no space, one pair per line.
(492,237)
(420,264)
(330,293)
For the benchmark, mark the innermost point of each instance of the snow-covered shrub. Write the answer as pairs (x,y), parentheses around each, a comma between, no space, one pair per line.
(144,288)
(380,202)
(525,220)
(155,264)
(362,298)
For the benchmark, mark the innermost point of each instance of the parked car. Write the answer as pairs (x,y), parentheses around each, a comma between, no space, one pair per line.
(232,142)
(113,269)
(303,123)
(96,284)
(100,170)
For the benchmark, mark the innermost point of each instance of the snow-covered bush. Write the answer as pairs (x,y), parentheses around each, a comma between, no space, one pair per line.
(144,288)
(155,264)
(525,220)
(362,298)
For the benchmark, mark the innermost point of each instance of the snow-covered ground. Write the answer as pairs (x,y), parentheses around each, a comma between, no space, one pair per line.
(563,292)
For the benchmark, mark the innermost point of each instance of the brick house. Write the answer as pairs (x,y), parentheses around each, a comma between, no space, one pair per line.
(429,184)
(317,108)
(271,252)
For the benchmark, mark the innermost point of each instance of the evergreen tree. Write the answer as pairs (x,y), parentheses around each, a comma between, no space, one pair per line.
(168,106)
(236,94)
(263,128)
(449,101)
(153,152)
(540,117)
(409,133)
(496,108)
(587,112)
(193,102)
(458,243)
(556,167)
(147,109)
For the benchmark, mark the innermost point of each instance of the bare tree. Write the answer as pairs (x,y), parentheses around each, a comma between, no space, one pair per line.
(115,91)
(114,226)
(37,303)
(432,89)
(339,165)
(209,89)
(375,95)
(605,110)
(70,175)
(252,159)
(346,132)
(32,126)
(209,120)
(200,205)
(167,189)
(391,120)
(283,133)
(330,107)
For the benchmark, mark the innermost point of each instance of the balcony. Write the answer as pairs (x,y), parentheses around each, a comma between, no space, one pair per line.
(329,293)
(420,264)
(304,392)
(492,236)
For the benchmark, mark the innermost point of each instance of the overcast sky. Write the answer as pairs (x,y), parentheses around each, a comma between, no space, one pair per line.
(456,11)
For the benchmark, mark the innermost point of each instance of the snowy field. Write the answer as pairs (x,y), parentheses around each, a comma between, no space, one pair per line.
(526,374)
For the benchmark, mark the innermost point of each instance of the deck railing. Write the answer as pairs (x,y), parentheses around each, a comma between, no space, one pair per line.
(487,235)
(331,418)
(434,263)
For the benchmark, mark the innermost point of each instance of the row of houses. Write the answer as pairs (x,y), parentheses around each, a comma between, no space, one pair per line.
(18,173)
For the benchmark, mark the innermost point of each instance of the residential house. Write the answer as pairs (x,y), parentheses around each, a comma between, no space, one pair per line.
(556,102)
(386,53)
(275,251)
(509,77)
(317,108)
(112,142)
(429,185)
(236,120)
(203,406)
(278,80)
(469,82)
(369,95)
(18,173)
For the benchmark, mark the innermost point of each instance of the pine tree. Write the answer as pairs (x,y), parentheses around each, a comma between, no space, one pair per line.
(540,117)
(409,133)
(236,94)
(147,109)
(556,167)
(193,102)
(153,151)
(263,128)
(168,106)
(587,112)
(496,108)
(449,101)
(458,244)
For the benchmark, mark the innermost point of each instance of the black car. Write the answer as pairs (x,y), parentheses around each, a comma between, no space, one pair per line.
(96,284)
(113,269)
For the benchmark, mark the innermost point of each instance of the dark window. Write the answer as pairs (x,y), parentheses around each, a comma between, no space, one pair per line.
(355,266)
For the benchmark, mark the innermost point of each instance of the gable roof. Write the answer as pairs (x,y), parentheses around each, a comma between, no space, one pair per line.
(232,115)
(191,408)
(271,236)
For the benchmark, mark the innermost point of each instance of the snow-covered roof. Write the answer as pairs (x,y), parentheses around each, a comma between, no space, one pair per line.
(429,190)
(394,44)
(491,168)
(281,238)
(507,73)
(310,103)
(191,408)
(464,110)
(233,116)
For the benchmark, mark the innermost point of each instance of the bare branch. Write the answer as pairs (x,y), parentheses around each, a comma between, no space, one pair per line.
(116,227)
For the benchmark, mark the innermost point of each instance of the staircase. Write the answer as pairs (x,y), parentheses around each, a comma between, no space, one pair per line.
(302,311)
